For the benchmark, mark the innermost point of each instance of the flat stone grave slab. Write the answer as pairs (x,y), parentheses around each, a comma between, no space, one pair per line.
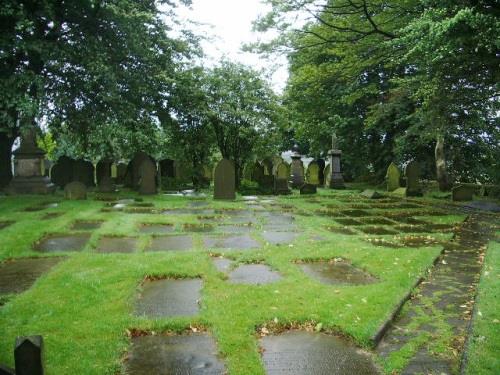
(86,224)
(341,230)
(279,238)
(277,218)
(231,212)
(337,272)
(253,274)
(110,244)
(349,222)
(222,264)
(193,354)
(205,227)
(140,210)
(271,227)
(418,241)
(308,353)
(413,228)
(5,224)
(52,215)
(231,242)
(171,243)
(246,219)
(355,213)
(228,228)
(156,228)
(18,275)
(376,230)
(409,220)
(376,221)
(168,298)
(62,242)
(189,211)
(198,204)
(210,219)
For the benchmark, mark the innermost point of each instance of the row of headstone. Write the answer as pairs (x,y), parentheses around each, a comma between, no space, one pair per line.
(412,177)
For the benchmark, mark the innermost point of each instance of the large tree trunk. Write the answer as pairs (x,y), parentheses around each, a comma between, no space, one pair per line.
(237,175)
(6,142)
(441,174)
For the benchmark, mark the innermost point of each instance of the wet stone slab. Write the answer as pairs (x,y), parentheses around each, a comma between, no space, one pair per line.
(228,228)
(253,274)
(156,228)
(197,204)
(86,225)
(349,222)
(355,213)
(376,230)
(341,230)
(222,264)
(63,242)
(337,272)
(205,227)
(194,354)
(170,243)
(307,353)
(230,242)
(279,238)
(18,275)
(116,245)
(167,298)
(376,221)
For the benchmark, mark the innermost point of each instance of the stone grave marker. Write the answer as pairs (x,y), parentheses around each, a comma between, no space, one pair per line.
(337,272)
(321,165)
(230,242)
(147,177)
(392,177)
(83,171)
(308,189)
(281,179)
(61,172)
(168,298)
(412,173)
(75,191)
(327,175)
(132,176)
(86,224)
(171,243)
(279,237)
(253,274)
(462,193)
(103,176)
(224,180)
(121,172)
(29,356)
(297,168)
(62,242)
(312,175)
(110,244)
(371,194)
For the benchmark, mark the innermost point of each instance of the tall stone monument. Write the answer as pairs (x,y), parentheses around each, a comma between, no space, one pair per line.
(28,169)
(412,173)
(392,177)
(336,180)
(224,180)
(297,168)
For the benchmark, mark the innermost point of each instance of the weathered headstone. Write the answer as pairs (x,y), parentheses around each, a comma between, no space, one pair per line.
(28,169)
(61,173)
(392,177)
(462,193)
(75,191)
(336,180)
(28,355)
(371,194)
(224,180)
(412,173)
(308,189)
(321,164)
(132,176)
(297,168)
(83,171)
(121,172)
(103,176)
(312,175)
(167,168)
(281,179)
(147,177)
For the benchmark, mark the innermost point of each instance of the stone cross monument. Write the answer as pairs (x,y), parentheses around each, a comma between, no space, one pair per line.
(336,180)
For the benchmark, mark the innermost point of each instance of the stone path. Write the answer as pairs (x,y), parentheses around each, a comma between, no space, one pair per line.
(438,316)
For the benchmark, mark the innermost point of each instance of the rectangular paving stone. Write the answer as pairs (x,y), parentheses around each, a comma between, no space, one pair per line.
(337,272)
(62,242)
(116,244)
(86,224)
(169,243)
(230,242)
(156,228)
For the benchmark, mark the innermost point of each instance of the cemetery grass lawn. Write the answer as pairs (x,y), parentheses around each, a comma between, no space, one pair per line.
(484,348)
(84,306)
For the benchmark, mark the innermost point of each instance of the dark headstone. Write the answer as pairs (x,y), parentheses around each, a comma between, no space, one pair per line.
(336,180)
(75,191)
(392,177)
(147,177)
(321,165)
(61,173)
(4,370)
(224,180)
(462,193)
(167,168)
(371,194)
(297,169)
(282,173)
(257,172)
(132,176)
(412,172)
(28,355)
(83,171)
(121,172)
(103,175)
(308,189)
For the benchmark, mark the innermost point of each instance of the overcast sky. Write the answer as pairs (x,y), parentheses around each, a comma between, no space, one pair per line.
(230,23)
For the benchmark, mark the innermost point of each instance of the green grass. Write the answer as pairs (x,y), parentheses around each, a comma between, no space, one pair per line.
(484,349)
(84,306)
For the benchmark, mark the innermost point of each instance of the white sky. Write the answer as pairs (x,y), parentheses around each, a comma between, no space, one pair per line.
(230,24)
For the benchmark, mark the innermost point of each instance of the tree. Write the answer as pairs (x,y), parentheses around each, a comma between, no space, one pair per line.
(243,112)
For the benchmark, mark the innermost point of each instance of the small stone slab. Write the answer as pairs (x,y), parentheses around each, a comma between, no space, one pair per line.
(5,224)
(156,228)
(231,242)
(168,298)
(228,228)
(62,242)
(253,274)
(342,230)
(222,264)
(349,222)
(170,243)
(117,245)
(194,354)
(279,238)
(377,221)
(337,272)
(86,225)
(188,227)
(376,230)
(18,275)
(308,353)
(355,213)
(371,194)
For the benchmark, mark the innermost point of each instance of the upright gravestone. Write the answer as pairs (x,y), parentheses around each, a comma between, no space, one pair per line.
(297,168)
(75,191)
(103,176)
(281,179)
(28,355)
(393,175)
(336,178)
(121,172)
(327,174)
(412,173)
(312,175)
(321,164)
(267,164)
(147,177)
(308,189)
(224,180)
(61,172)
(83,171)
(28,169)
(132,175)
(167,168)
